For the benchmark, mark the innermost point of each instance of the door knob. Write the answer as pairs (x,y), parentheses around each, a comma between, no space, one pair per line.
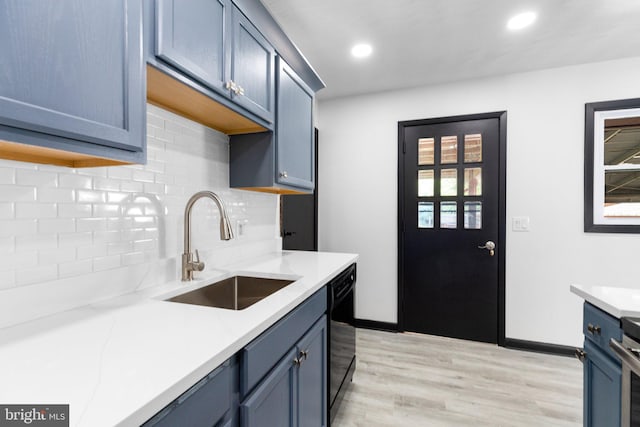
(490,246)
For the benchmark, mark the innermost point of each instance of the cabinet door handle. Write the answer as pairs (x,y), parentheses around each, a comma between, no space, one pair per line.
(594,330)
(580,354)
(305,354)
(284,174)
(233,87)
(297,361)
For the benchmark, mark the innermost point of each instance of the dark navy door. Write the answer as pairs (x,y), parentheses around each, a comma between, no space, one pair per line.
(450,230)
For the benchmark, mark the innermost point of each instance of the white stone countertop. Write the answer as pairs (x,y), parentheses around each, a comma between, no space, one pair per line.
(618,302)
(119,362)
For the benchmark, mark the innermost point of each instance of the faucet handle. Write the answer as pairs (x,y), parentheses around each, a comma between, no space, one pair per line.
(197,265)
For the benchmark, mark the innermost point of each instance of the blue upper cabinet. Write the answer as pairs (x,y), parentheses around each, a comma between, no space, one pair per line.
(192,38)
(295,159)
(252,69)
(72,81)
(283,161)
(214,55)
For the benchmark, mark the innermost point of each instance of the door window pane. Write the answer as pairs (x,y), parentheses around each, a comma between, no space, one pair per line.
(473,148)
(425,151)
(425,214)
(448,215)
(449,149)
(473,215)
(449,182)
(425,183)
(472,181)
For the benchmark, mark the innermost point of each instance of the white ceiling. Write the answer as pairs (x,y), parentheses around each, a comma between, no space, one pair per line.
(421,42)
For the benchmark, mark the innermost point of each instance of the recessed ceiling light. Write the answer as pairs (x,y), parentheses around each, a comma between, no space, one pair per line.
(361,50)
(521,20)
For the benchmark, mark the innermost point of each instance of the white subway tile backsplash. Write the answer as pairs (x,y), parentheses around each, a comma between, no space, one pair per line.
(74,210)
(7,279)
(7,210)
(143,176)
(77,229)
(120,173)
(35,210)
(88,196)
(106,262)
(155,120)
(7,176)
(131,186)
(7,244)
(132,258)
(35,242)
(17,227)
(151,188)
(17,193)
(105,184)
(74,181)
(57,225)
(36,274)
(56,256)
(75,268)
(36,177)
(116,248)
(66,240)
(91,224)
(106,210)
(92,251)
(59,195)
(16,260)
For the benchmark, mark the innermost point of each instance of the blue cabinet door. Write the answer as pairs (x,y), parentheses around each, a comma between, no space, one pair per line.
(602,382)
(295,160)
(72,73)
(191,37)
(252,68)
(312,376)
(208,403)
(273,403)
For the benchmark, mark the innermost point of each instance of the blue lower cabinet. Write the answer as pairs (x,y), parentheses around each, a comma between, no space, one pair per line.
(602,369)
(273,403)
(294,393)
(312,377)
(209,403)
(602,382)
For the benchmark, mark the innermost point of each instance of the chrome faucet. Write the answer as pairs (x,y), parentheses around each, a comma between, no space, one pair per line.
(189,265)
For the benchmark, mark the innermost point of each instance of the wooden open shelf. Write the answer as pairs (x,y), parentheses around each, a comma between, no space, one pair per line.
(50,156)
(170,94)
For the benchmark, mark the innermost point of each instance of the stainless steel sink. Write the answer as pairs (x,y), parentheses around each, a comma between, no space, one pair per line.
(234,293)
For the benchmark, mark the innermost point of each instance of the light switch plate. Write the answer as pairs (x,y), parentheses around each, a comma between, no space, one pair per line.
(520,223)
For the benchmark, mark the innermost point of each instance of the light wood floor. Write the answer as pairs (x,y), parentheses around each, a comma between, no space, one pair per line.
(418,380)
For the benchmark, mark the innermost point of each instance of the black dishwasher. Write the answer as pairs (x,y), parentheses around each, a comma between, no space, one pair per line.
(341,337)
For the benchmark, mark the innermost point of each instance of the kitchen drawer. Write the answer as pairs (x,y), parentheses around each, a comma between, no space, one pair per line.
(599,327)
(263,353)
(206,403)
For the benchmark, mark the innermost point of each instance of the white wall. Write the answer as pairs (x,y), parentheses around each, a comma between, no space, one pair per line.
(545,137)
(70,237)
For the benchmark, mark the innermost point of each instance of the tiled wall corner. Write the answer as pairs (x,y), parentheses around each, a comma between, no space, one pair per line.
(60,224)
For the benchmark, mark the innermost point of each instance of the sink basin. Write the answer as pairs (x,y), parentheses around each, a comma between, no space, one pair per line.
(234,293)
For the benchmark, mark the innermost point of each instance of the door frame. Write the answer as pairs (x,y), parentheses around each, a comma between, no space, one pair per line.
(502,207)
(315,197)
